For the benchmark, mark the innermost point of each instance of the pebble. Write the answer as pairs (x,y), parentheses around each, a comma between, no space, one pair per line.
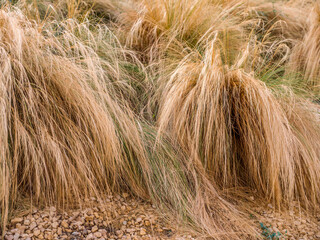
(64,224)
(26,222)
(55,225)
(59,231)
(16,220)
(130,230)
(90,236)
(143,232)
(94,229)
(36,232)
(89,218)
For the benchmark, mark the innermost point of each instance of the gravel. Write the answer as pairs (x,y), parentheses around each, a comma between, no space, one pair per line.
(121,217)
(118,217)
(294,225)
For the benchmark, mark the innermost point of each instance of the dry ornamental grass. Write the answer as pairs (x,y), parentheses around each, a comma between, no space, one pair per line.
(195,105)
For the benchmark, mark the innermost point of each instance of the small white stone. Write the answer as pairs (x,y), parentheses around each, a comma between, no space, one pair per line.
(55,225)
(36,232)
(64,224)
(142,232)
(16,220)
(94,229)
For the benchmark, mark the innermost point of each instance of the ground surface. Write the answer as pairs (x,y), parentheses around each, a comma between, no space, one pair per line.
(295,225)
(121,217)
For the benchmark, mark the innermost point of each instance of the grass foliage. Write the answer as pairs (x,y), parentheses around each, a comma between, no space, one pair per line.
(192,104)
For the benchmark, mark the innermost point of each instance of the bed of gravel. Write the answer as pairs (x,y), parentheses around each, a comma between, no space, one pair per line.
(119,217)
(122,217)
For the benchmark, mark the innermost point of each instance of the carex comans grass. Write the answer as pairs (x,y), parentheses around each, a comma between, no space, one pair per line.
(190,104)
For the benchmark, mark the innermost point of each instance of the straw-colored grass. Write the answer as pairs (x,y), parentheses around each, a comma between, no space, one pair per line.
(305,57)
(231,122)
(58,138)
(225,117)
(157,27)
(66,138)
(188,103)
